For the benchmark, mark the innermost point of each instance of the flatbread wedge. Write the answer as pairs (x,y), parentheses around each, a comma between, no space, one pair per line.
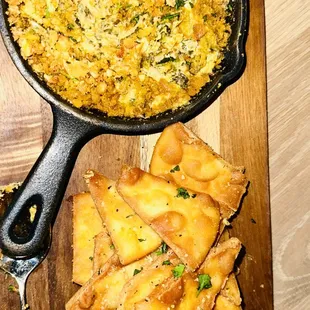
(131,237)
(230,294)
(103,251)
(156,280)
(86,225)
(182,157)
(229,297)
(187,221)
(103,291)
(191,291)
(87,296)
(223,303)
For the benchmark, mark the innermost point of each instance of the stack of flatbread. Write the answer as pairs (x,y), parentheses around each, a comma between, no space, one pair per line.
(157,240)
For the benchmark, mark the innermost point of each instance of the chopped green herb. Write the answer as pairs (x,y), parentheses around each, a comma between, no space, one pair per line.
(253,221)
(204,282)
(166,59)
(12,288)
(191,4)
(136,271)
(70,26)
(74,40)
(229,7)
(112,247)
(128,216)
(170,16)
(162,249)
(205,18)
(135,19)
(141,240)
(179,4)
(178,271)
(47,13)
(91,258)
(194,195)
(166,262)
(182,192)
(109,186)
(176,168)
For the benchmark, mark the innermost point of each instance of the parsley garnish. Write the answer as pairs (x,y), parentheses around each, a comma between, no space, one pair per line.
(179,3)
(204,282)
(136,19)
(182,192)
(12,288)
(73,39)
(47,13)
(70,26)
(162,249)
(141,240)
(128,216)
(112,247)
(166,59)
(170,16)
(194,195)
(91,258)
(166,262)
(205,18)
(178,271)
(176,168)
(136,271)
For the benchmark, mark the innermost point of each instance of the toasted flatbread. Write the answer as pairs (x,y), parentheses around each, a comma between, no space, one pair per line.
(223,303)
(103,291)
(157,280)
(184,294)
(231,289)
(218,265)
(229,297)
(86,225)
(87,296)
(182,157)
(187,221)
(103,251)
(131,237)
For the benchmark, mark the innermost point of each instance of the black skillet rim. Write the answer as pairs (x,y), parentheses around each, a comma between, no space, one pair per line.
(135,126)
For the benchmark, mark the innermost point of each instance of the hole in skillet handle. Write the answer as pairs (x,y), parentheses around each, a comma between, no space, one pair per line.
(23,227)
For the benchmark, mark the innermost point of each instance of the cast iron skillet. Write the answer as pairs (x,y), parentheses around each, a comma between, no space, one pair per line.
(47,181)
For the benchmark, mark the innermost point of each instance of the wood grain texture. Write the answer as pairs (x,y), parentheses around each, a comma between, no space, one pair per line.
(288,55)
(244,142)
(235,125)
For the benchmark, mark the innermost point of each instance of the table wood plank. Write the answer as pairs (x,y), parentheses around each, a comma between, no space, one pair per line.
(244,142)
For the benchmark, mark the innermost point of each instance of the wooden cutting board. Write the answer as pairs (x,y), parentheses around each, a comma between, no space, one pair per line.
(235,125)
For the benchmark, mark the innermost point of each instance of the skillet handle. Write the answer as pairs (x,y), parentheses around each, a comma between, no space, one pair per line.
(45,186)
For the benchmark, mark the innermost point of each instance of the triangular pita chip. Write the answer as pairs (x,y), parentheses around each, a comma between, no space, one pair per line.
(103,251)
(182,157)
(156,280)
(103,291)
(188,222)
(131,237)
(218,265)
(229,297)
(86,225)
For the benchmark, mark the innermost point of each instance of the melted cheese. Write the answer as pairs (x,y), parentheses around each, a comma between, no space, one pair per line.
(111,41)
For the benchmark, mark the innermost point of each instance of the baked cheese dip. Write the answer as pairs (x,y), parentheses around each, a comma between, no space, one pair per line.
(128,58)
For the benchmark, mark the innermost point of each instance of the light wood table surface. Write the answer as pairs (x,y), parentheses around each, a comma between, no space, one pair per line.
(288,69)
(288,72)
